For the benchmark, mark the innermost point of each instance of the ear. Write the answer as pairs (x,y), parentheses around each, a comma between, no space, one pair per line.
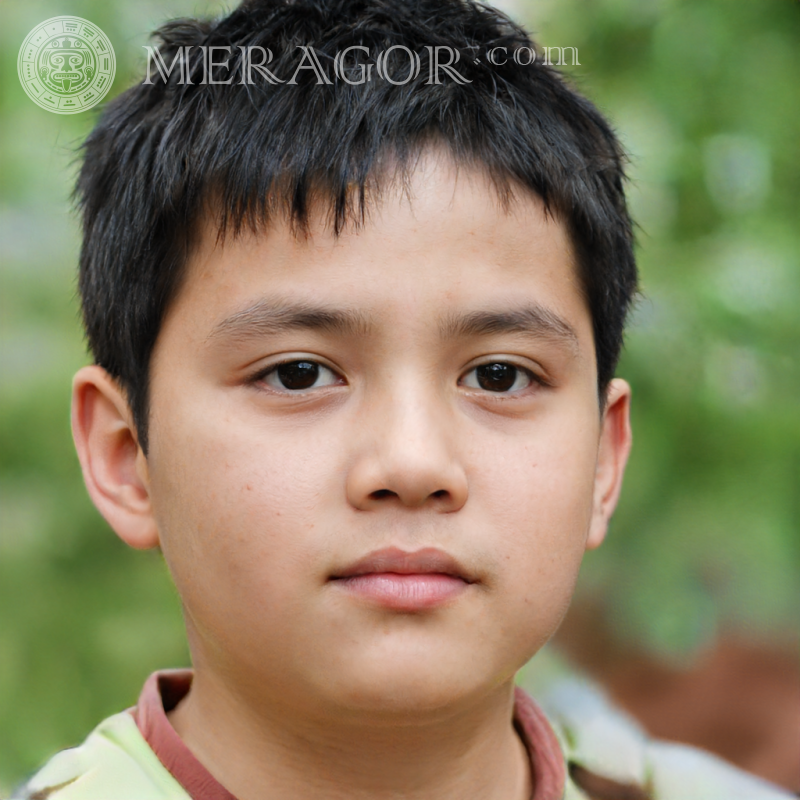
(114,466)
(612,456)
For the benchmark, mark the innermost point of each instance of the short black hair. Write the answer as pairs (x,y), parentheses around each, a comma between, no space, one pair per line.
(173,146)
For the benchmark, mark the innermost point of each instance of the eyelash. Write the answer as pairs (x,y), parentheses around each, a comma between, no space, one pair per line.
(534,379)
(263,374)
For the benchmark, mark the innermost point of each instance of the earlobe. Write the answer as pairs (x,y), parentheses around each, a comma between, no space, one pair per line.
(114,467)
(612,456)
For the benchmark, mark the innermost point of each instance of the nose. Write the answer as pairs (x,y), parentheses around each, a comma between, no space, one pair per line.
(407,455)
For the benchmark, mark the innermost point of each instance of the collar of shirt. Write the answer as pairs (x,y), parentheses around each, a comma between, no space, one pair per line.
(165,689)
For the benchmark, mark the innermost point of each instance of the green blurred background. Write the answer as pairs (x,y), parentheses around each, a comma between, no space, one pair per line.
(707,538)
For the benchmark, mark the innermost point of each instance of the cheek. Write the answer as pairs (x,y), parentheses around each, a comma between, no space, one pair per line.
(236,516)
(538,502)
(542,483)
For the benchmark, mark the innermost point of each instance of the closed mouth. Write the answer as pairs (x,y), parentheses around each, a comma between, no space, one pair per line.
(427,561)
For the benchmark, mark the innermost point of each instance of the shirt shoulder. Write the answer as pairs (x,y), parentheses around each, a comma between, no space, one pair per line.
(114,763)
(605,748)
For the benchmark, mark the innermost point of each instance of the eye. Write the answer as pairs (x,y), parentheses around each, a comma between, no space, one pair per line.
(499,377)
(297,376)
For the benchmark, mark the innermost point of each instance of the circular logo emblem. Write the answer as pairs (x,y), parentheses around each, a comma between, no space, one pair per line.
(66,65)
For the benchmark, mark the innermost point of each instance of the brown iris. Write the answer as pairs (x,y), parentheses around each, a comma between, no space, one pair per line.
(298,374)
(496,377)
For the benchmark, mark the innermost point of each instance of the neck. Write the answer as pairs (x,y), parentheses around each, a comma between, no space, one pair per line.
(265,751)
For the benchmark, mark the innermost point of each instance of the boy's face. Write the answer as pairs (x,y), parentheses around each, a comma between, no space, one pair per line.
(439,400)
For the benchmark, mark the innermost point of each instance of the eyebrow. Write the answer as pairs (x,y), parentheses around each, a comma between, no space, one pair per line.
(272,317)
(532,320)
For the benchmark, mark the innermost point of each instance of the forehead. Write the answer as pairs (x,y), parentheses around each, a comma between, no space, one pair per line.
(442,244)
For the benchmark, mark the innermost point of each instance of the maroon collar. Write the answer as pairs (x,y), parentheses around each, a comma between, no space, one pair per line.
(164,690)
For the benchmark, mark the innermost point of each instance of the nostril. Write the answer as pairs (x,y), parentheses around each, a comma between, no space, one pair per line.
(380,493)
(440,493)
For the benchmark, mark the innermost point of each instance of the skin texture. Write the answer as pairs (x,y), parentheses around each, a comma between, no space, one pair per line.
(258,496)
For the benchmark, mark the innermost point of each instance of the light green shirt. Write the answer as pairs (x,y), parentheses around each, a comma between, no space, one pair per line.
(116,763)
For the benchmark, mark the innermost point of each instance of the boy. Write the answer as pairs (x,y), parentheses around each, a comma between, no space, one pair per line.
(354,342)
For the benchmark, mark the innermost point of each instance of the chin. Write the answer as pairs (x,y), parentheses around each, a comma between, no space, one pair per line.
(413,701)
(420,688)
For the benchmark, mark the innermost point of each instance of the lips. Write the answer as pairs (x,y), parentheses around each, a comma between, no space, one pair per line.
(404,581)
(427,561)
